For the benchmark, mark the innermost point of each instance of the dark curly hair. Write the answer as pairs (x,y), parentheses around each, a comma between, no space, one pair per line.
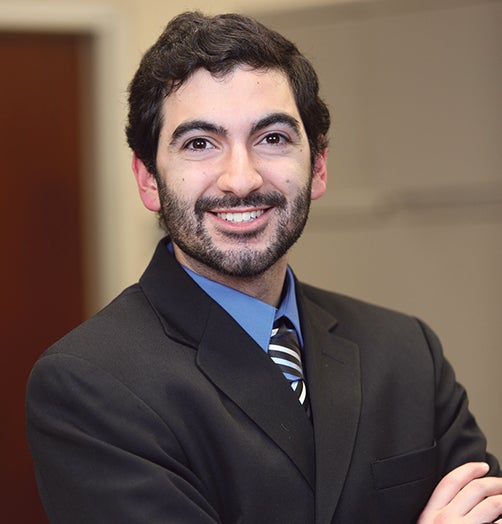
(218,44)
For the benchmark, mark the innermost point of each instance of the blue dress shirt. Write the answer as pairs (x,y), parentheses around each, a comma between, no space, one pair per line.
(253,315)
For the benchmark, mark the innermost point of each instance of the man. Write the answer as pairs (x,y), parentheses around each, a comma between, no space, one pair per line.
(172,405)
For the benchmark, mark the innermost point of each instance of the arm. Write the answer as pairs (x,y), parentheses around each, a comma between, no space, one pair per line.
(102,455)
(471,491)
(459,439)
(465,496)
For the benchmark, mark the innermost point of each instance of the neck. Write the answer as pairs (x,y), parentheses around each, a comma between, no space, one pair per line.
(266,287)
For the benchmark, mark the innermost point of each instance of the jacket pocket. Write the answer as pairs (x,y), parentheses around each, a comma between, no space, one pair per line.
(404,484)
(403,469)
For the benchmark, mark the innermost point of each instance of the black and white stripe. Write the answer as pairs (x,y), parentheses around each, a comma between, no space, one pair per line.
(284,350)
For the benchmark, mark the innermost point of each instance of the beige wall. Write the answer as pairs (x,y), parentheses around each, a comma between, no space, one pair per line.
(120,232)
(413,217)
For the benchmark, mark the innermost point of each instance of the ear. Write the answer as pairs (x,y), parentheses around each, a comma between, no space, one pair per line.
(319,175)
(147,185)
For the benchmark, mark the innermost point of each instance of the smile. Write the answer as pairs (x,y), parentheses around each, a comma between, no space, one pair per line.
(237,218)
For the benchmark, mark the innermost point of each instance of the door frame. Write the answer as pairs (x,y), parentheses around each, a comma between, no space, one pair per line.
(103,201)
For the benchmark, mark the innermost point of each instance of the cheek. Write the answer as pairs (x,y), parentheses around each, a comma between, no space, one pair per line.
(189,186)
(287,174)
(297,176)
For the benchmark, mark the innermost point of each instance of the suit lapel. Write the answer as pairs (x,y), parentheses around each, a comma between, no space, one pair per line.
(242,371)
(230,358)
(333,377)
(245,373)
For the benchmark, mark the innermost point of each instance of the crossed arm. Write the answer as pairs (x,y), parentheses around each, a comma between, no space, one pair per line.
(77,410)
(465,496)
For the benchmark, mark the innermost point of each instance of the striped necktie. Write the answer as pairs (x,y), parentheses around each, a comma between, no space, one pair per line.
(284,350)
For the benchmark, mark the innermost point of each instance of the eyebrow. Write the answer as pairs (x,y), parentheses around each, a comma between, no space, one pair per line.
(277,118)
(197,125)
(209,127)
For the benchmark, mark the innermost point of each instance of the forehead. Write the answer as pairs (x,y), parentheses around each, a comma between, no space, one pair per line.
(239,97)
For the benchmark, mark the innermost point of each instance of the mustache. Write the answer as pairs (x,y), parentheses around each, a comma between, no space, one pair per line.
(273,199)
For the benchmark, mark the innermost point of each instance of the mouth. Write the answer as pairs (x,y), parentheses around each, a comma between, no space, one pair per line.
(240,217)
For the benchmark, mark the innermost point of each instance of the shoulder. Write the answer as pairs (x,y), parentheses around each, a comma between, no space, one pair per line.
(109,335)
(365,322)
(123,347)
(347,308)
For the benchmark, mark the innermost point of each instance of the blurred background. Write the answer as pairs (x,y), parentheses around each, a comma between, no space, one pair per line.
(412,219)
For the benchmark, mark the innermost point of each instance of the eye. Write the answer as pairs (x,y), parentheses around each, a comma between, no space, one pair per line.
(275,139)
(198,144)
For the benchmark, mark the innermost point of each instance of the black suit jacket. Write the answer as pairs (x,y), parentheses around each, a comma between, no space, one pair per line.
(161,409)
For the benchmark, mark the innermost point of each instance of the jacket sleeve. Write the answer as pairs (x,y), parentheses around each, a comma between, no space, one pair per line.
(459,439)
(102,455)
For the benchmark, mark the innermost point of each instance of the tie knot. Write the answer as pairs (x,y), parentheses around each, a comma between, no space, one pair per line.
(284,349)
(283,332)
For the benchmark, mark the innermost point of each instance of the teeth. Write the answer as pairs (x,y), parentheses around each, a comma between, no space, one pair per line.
(237,218)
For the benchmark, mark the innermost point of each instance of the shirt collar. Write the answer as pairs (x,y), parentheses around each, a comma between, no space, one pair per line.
(253,315)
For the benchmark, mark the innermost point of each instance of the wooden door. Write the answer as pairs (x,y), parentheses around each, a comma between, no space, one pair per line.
(40,230)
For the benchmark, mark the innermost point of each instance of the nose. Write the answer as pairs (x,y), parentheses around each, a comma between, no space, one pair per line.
(239,175)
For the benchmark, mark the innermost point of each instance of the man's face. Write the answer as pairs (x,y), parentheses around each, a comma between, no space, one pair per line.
(235,179)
